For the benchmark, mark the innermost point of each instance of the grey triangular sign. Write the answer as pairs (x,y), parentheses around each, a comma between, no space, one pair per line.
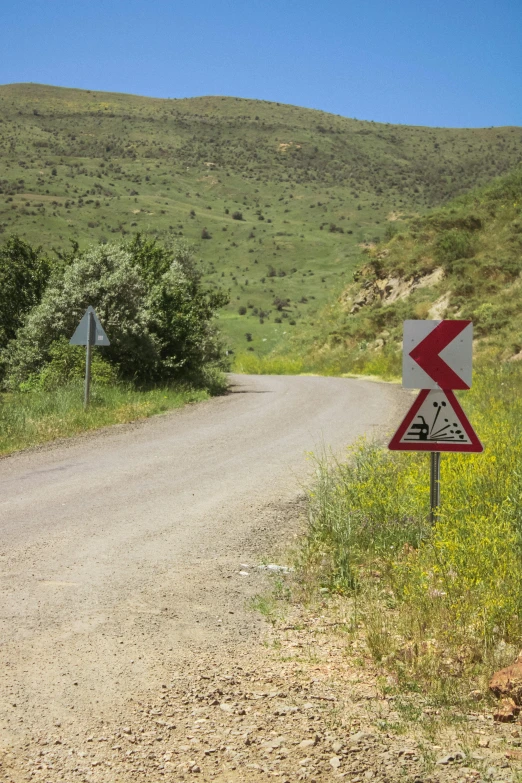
(81,336)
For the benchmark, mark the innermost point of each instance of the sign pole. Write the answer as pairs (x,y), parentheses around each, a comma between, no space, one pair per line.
(89,332)
(88,362)
(434,485)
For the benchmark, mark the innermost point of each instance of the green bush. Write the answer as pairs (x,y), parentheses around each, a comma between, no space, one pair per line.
(151,302)
(454,244)
(181,316)
(67,364)
(106,278)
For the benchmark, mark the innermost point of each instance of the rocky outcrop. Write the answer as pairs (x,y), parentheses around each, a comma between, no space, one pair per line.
(507,683)
(506,711)
(391,289)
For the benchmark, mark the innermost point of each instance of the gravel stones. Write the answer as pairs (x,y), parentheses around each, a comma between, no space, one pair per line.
(269,713)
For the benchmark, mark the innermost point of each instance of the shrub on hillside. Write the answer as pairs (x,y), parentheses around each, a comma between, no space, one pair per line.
(182,321)
(454,244)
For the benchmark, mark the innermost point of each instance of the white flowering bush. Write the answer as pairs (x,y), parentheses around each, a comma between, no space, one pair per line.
(150,301)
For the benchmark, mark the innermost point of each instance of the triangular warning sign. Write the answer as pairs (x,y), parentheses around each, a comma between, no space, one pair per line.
(435,422)
(97,336)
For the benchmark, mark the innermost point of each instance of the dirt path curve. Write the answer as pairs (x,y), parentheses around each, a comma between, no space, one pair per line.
(120,551)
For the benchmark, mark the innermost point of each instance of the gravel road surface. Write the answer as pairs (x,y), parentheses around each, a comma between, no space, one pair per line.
(120,551)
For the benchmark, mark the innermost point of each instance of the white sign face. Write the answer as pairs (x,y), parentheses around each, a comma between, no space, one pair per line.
(437,354)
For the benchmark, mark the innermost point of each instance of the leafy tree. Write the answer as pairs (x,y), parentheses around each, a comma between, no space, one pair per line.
(23,276)
(182,313)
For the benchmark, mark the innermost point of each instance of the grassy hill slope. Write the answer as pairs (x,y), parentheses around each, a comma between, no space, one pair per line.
(463,260)
(277,199)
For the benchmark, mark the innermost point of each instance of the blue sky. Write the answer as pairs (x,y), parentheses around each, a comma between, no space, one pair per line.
(418,62)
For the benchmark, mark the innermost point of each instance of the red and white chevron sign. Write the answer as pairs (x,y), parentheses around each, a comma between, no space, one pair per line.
(437,354)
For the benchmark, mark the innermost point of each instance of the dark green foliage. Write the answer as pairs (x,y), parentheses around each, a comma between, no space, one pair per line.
(67,364)
(454,244)
(24,272)
(181,320)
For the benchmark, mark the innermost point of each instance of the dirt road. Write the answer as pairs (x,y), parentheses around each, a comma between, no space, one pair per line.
(121,552)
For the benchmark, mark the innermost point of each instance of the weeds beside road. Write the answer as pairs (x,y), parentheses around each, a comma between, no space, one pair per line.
(442,606)
(31,418)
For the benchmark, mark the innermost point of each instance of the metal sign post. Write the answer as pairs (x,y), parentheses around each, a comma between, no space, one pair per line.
(89,332)
(434,485)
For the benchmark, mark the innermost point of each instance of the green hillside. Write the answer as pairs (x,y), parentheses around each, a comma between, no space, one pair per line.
(463,260)
(276,199)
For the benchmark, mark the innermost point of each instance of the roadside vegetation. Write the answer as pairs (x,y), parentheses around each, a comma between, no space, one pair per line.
(37,417)
(165,348)
(439,607)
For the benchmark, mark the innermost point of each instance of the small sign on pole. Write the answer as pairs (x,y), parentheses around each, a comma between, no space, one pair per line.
(437,358)
(89,332)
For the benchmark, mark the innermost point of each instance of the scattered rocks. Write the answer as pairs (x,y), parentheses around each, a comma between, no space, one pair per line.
(508,682)
(506,711)
(451,757)
(275,712)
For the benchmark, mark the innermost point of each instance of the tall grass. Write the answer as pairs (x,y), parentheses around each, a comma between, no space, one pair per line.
(455,589)
(336,362)
(32,418)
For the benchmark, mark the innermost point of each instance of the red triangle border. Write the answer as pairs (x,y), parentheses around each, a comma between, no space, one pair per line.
(474,447)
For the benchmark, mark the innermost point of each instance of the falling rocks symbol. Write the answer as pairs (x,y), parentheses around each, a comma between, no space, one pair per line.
(436,422)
